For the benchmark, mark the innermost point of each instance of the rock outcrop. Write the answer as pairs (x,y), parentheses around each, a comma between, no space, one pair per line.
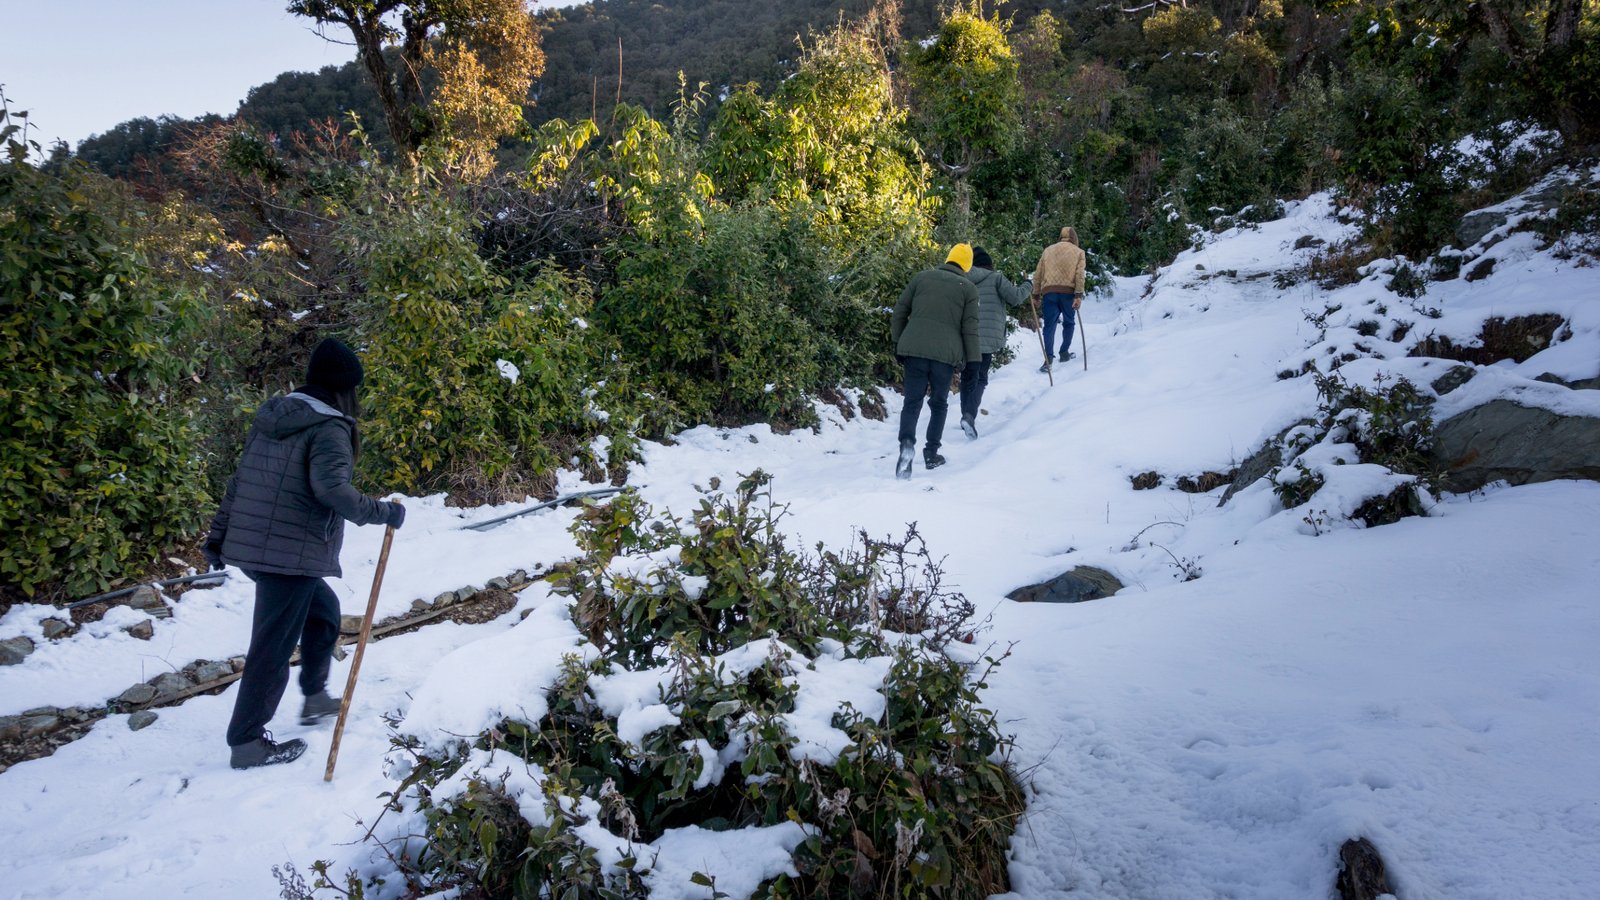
(1501,440)
(1080,584)
(1361,872)
(1255,467)
(15,650)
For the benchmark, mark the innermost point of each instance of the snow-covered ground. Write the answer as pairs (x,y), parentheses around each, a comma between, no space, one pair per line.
(1432,685)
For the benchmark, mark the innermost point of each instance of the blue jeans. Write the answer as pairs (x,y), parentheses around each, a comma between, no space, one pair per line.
(930,379)
(1056,306)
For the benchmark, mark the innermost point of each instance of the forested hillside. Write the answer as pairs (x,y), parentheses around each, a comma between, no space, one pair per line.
(1341,260)
(719,256)
(1142,120)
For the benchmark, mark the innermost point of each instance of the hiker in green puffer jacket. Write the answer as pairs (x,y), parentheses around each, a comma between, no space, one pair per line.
(935,331)
(995,293)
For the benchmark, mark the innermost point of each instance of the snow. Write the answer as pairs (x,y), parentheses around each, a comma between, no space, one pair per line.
(1431,685)
(508,370)
(476,686)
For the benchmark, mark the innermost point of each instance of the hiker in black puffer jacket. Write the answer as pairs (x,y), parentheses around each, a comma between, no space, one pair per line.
(282,523)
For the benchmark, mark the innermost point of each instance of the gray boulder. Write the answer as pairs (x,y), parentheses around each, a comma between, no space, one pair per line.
(144,718)
(33,726)
(55,628)
(148,599)
(15,650)
(138,695)
(211,671)
(1452,379)
(1255,467)
(169,685)
(1503,441)
(1581,384)
(1079,584)
(1474,226)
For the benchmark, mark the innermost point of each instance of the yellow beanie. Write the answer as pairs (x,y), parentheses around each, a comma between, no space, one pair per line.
(961,255)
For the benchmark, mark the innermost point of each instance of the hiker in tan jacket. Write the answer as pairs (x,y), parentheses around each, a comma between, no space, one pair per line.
(1058,283)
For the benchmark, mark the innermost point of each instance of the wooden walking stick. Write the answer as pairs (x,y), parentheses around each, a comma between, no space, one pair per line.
(1040,335)
(361,647)
(1083,339)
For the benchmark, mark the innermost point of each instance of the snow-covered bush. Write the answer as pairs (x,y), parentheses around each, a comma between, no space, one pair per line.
(1365,456)
(800,713)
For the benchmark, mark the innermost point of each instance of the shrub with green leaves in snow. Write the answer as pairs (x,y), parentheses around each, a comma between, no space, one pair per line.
(1387,429)
(731,688)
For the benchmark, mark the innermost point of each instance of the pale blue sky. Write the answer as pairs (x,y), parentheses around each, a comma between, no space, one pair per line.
(81,66)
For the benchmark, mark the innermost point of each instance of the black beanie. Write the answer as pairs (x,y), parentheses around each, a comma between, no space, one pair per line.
(981,259)
(334,366)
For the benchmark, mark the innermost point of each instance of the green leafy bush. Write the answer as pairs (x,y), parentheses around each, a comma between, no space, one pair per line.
(99,469)
(920,800)
(478,384)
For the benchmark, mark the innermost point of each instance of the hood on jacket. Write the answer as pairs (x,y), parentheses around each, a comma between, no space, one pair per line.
(282,416)
(979,275)
(1070,235)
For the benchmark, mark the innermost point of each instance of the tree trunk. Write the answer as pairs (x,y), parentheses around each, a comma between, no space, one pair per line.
(1561,29)
(1501,29)
(369,46)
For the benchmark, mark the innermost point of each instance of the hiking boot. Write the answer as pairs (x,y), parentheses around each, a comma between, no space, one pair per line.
(1067,355)
(970,428)
(1045,368)
(902,466)
(263,751)
(932,460)
(317,707)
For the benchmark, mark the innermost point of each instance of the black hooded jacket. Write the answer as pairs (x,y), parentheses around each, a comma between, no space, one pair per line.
(285,506)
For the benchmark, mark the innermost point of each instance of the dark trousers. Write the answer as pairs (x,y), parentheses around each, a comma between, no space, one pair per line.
(931,379)
(1058,306)
(974,378)
(290,609)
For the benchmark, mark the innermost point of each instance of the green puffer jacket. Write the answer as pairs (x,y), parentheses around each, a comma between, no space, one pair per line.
(995,293)
(937,317)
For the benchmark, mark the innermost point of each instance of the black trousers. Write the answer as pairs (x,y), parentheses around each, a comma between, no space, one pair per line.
(290,609)
(931,379)
(974,378)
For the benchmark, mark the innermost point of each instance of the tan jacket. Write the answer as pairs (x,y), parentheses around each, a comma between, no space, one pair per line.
(1060,266)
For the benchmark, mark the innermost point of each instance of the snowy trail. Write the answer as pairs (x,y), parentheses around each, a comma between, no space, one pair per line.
(1210,739)
(158,813)
(1430,684)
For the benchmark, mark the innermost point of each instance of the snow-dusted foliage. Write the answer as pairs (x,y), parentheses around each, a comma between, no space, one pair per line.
(735,715)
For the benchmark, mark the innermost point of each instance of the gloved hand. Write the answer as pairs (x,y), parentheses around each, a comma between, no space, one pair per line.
(396,516)
(213,555)
(899,359)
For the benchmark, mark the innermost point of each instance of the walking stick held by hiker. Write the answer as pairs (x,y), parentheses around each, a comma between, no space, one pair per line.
(361,647)
(1083,339)
(1040,335)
